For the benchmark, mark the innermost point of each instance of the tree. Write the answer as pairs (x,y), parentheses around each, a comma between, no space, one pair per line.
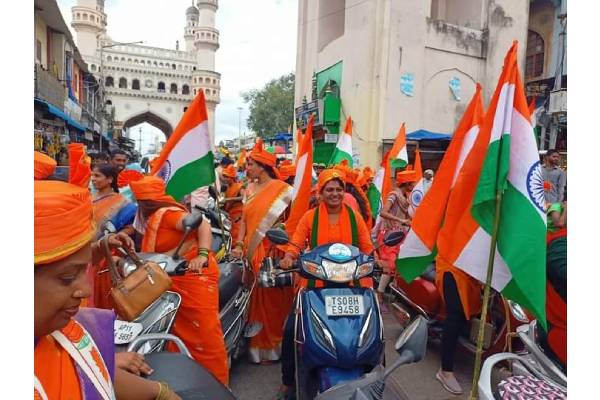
(272,107)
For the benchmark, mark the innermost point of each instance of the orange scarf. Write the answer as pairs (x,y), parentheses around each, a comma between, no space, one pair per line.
(263,210)
(342,231)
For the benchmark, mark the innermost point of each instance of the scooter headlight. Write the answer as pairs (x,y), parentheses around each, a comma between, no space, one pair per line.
(517,311)
(364,270)
(314,269)
(339,272)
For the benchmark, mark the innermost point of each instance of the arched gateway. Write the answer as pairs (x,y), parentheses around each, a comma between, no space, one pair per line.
(150,84)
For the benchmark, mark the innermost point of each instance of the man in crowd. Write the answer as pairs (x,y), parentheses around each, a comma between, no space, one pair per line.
(118,159)
(555,178)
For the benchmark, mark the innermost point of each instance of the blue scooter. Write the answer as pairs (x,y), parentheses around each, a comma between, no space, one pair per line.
(338,327)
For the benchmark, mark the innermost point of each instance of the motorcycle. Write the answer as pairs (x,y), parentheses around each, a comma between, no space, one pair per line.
(421,297)
(338,328)
(533,372)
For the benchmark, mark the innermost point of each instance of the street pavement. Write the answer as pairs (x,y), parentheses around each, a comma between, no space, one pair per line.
(261,382)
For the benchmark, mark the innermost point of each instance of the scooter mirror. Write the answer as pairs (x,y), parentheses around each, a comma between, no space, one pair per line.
(278,236)
(393,238)
(109,227)
(192,221)
(413,339)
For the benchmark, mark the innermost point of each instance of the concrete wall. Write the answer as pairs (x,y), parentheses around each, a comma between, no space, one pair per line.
(385,39)
(41,34)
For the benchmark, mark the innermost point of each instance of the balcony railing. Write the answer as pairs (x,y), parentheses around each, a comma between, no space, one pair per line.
(49,88)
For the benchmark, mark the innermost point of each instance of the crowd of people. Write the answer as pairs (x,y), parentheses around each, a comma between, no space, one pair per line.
(73,317)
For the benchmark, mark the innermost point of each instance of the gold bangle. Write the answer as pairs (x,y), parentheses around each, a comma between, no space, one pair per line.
(163,391)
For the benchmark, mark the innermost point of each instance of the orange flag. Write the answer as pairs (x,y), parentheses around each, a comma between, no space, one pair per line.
(303,179)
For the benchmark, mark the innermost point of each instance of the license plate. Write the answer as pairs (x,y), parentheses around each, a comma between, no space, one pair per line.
(125,332)
(337,306)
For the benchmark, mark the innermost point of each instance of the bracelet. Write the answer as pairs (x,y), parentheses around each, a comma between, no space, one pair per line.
(203,253)
(163,391)
(239,244)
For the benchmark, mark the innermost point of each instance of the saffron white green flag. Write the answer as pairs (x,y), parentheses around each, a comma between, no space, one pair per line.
(416,195)
(437,207)
(187,160)
(343,148)
(512,167)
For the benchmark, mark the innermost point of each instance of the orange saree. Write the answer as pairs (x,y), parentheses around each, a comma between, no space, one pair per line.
(197,322)
(268,306)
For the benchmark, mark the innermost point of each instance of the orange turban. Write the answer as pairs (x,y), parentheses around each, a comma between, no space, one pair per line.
(328,175)
(406,176)
(230,171)
(366,175)
(286,171)
(350,175)
(127,176)
(151,188)
(79,165)
(43,165)
(259,154)
(63,221)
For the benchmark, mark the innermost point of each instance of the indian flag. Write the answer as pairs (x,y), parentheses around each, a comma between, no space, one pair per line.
(343,148)
(398,154)
(303,179)
(419,248)
(376,187)
(187,161)
(511,168)
(416,196)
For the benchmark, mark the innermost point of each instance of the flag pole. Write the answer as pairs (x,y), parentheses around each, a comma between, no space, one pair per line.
(486,298)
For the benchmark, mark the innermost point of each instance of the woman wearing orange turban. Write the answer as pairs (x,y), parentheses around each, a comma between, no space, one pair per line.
(336,222)
(265,207)
(355,197)
(74,354)
(197,322)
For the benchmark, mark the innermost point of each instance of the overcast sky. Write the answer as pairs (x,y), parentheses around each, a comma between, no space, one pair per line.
(257,38)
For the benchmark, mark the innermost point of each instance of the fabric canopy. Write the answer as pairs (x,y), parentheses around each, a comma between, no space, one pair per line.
(61,114)
(423,134)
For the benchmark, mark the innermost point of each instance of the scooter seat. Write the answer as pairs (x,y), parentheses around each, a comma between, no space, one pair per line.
(528,387)
(187,378)
(230,279)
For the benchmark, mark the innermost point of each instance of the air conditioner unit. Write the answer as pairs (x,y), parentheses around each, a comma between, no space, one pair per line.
(558,102)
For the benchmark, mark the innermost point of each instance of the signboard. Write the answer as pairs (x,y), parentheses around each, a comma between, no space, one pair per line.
(72,109)
(88,136)
(407,84)
(304,111)
(331,138)
(454,84)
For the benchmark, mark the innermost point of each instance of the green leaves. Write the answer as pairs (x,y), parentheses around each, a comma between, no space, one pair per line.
(272,107)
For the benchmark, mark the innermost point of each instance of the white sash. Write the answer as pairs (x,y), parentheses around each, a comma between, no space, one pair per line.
(37,386)
(81,352)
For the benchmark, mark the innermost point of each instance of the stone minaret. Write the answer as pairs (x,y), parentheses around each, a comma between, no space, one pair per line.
(206,43)
(89,22)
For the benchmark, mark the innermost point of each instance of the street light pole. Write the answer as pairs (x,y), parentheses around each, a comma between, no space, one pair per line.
(102,82)
(140,140)
(240,127)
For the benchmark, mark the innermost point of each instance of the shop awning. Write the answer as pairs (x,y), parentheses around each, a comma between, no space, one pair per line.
(60,114)
(423,134)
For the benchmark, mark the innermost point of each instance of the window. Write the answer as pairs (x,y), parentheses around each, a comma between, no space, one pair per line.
(201,80)
(123,83)
(110,82)
(108,102)
(185,109)
(174,88)
(135,84)
(173,66)
(109,58)
(38,51)
(185,89)
(93,67)
(534,60)
(161,87)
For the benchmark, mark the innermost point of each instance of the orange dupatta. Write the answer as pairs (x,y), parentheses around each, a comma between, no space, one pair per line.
(268,306)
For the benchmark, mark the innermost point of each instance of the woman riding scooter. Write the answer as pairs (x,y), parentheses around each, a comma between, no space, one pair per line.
(332,221)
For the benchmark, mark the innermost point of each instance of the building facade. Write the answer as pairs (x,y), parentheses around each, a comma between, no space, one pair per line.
(546,71)
(66,95)
(149,84)
(391,62)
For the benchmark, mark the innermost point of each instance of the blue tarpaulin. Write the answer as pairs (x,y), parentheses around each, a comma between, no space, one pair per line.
(422,134)
(61,114)
(282,136)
